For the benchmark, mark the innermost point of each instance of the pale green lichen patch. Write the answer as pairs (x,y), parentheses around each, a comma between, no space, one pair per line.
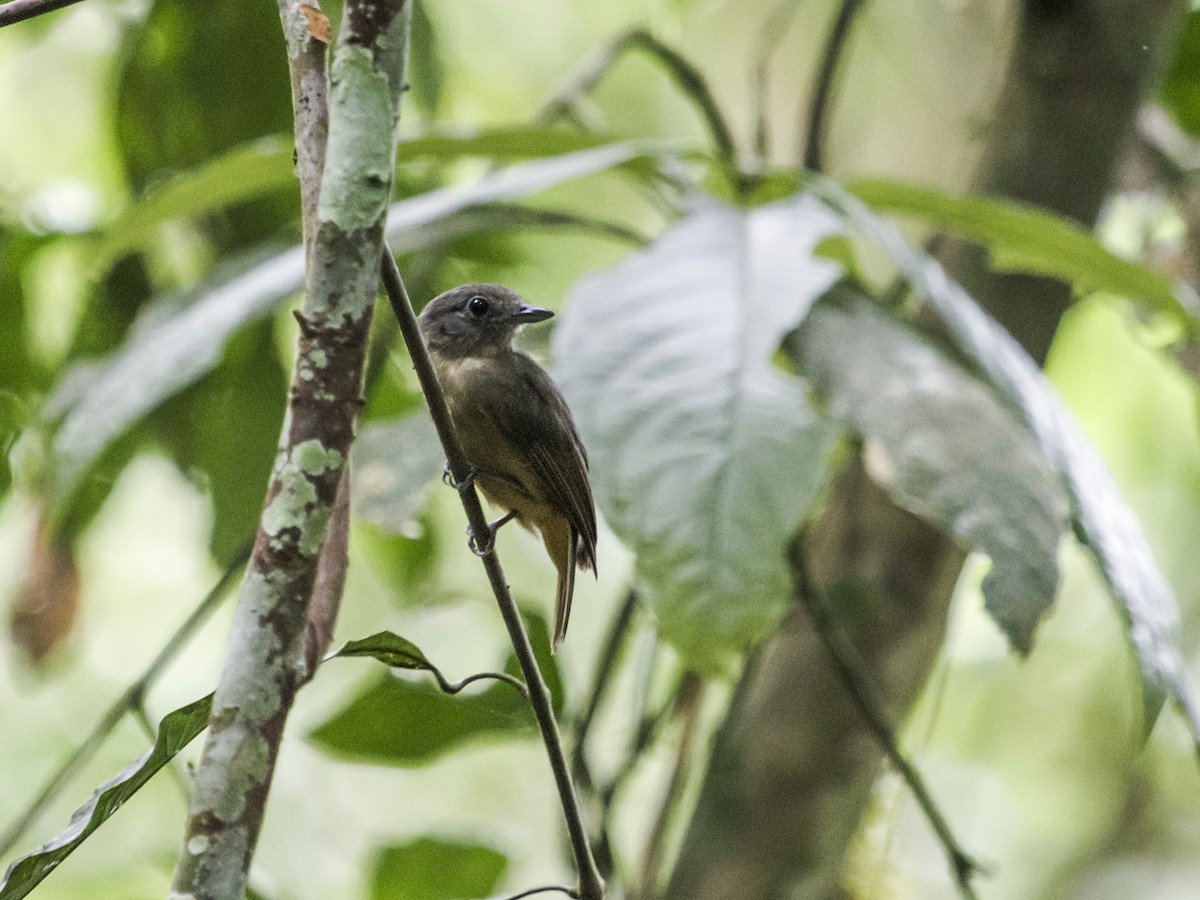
(296,505)
(358,156)
(242,757)
(313,457)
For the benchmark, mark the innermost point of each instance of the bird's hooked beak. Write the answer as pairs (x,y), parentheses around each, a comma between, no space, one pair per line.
(529,313)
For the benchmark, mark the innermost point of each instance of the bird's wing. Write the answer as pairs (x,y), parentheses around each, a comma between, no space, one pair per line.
(536,420)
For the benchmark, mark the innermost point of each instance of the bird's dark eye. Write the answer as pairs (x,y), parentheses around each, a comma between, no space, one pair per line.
(478,307)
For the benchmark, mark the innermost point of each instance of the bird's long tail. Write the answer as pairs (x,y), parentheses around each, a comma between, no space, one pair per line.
(566,590)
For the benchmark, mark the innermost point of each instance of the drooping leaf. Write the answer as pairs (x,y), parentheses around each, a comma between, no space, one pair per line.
(394,463)
(1102,520)
(945,449)
(436,869)
(179,345)
(175,732)
(389,649)
(1024,238)
(705,458)
(264,165)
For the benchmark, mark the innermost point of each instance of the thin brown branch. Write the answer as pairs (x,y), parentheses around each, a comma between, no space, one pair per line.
(687,707)
(591,885)
(818,113)
(686,75)
(851,672)
(19,10)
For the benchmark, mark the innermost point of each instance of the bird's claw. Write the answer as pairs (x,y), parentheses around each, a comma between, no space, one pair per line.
(492,527)
(466,484)
(481,549)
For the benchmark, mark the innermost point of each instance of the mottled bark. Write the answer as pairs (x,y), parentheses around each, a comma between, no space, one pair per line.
(265,662)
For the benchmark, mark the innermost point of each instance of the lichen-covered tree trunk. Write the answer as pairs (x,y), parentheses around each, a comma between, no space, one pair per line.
(266,659)
(794,762)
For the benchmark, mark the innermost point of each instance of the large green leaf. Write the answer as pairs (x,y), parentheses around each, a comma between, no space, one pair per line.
(175,732)
(184,337)
(395,721)
(1025,238)
(436,869)
(944,447)
(1102,520)
(705,458)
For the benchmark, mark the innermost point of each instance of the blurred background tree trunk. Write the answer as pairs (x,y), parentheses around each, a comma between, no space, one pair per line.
(794,762)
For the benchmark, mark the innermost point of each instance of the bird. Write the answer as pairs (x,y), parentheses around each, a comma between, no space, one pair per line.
(515,426)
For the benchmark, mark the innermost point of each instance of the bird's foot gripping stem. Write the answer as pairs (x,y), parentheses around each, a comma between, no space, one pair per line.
(463,486)
(484,548)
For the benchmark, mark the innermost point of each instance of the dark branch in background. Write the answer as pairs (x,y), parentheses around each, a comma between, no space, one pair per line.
(818,110)
(591,885)
(794,764)
(853,675)
(686,75)
(686,707)
(774,30)
(606,665)
(20,10)
(130,700)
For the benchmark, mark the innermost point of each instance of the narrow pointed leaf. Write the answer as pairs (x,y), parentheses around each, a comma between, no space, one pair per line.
(1025,238)
(175,732)
(1102,520)
(390,649)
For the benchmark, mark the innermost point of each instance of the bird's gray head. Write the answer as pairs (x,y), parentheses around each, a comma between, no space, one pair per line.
(476,319)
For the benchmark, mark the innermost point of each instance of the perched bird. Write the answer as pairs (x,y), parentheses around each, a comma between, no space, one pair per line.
(514,426)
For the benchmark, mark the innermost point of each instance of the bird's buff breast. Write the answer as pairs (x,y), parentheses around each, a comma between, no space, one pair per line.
(503,474)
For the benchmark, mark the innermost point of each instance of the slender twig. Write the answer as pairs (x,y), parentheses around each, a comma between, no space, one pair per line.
(648,730)
(818,111)
(844,659)
(606,665)
(330,582)
(19,10)
(455,687)
(542,890)
(687,707)
(591,885)
(774,29)
(130,699)
(687,76)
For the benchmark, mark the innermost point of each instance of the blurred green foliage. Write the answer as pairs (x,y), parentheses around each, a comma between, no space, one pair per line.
(147,157)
